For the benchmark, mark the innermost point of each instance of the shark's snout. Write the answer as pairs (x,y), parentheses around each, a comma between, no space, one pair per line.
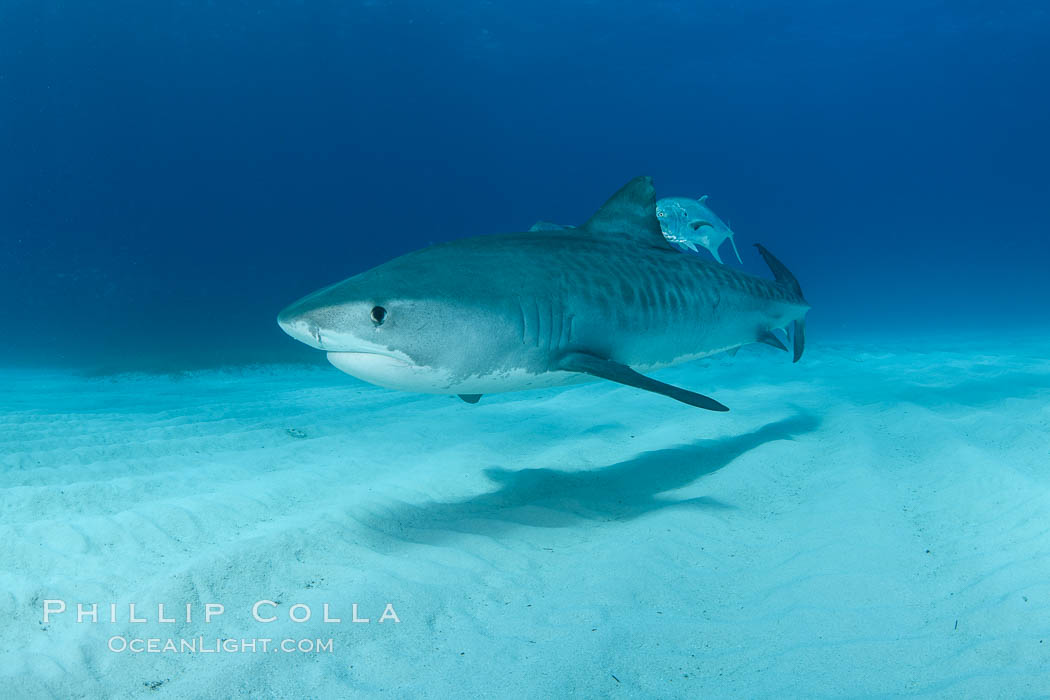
(331,328)
(301,327)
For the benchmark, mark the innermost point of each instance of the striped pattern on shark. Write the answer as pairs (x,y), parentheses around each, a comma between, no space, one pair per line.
(611,299)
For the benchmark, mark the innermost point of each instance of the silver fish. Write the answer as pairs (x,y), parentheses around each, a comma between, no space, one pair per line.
(690,222)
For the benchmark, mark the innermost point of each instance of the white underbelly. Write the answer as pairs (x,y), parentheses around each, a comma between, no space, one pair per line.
(395,373)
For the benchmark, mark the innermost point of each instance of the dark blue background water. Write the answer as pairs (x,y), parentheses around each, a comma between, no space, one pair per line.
(172,174)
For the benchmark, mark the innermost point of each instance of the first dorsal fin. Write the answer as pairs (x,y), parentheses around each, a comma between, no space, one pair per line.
(630,213)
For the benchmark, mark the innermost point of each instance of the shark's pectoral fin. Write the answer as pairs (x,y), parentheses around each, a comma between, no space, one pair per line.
(622,374)
(470,398)
(770,338)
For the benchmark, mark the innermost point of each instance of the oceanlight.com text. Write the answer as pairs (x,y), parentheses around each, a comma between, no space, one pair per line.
(202,645)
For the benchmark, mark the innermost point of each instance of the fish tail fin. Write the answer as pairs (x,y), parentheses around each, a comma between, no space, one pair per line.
(733,242)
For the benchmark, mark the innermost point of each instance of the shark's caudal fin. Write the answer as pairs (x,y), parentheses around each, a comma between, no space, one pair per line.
(784,277)
(798,338)
(780,273)
(630,213)
(622,374)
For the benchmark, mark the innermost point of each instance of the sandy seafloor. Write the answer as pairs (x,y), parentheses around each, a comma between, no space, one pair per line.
(873,520)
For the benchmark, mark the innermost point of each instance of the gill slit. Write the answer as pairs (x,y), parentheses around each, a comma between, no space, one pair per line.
(536,317)
(522,322)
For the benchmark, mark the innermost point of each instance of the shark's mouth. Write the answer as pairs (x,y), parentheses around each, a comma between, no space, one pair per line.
(345,359)
(391,371)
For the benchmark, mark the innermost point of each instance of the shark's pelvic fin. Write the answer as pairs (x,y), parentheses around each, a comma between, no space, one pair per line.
(770,338)
(471,398)
(630,213)
(622,374)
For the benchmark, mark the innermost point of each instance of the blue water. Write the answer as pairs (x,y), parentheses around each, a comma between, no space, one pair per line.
(173,176)
(868,522)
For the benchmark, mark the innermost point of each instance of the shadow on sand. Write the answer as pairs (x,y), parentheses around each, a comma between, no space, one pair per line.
(557,498)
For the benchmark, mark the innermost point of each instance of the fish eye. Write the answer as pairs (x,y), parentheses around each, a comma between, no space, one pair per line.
(378,315)
(660,214)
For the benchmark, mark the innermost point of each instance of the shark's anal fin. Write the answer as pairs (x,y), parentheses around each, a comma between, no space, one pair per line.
(622,374)
(470,398)
(770,338)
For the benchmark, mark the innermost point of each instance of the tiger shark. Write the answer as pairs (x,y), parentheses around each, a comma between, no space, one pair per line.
(609,300)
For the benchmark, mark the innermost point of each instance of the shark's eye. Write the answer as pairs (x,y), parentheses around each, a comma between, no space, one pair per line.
(378,315)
